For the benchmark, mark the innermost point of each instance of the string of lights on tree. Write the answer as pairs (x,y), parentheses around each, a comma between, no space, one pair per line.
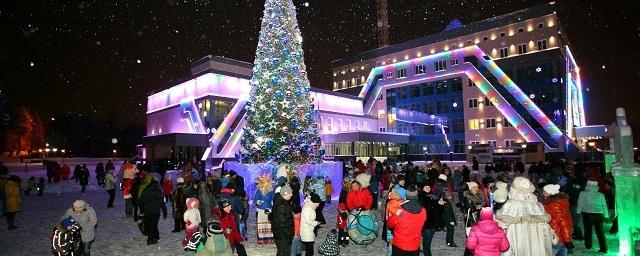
(281,119)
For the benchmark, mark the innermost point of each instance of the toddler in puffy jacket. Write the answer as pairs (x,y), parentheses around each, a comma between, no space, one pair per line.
(191,219)
(487,238)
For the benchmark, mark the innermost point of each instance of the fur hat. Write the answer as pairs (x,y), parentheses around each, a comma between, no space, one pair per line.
(472,184)
(523,185)
(214,227)
(364,179)
(180,180)
(79,204)
(552,189)
(442,177)
(286,189)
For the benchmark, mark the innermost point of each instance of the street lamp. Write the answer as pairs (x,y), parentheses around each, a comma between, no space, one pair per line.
(592,144)
(55,149)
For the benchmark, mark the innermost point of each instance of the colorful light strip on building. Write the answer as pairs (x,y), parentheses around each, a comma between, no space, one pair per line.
(517,93)
(189,114)
(505,108)
(224,127)
(502,105)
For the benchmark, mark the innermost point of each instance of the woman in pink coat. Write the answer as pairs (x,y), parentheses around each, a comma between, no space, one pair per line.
(486,237)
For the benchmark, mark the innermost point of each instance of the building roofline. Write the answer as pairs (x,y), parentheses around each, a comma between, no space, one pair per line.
(220,59)
(486,24)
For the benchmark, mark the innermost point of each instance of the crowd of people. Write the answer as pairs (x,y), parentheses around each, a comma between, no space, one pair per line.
(503,210)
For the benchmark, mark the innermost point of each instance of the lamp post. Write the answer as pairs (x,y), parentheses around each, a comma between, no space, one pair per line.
(426,156)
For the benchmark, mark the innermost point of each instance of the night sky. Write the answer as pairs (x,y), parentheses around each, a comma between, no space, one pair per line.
(101,59)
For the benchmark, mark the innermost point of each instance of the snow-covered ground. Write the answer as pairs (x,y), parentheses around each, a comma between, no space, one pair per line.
(118,235)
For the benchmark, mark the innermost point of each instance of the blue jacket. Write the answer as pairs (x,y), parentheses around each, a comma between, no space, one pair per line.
(267,200)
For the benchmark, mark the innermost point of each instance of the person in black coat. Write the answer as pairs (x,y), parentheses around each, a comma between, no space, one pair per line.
(238,181)
(294,183)
(434,222)
(83,177)
(282,221)
(151,203)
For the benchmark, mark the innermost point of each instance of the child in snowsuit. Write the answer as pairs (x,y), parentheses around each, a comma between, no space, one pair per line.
(65,239)
(191,219)
(487,238)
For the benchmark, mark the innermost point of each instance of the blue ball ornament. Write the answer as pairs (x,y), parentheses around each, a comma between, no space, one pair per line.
(298,93)
(269,144)
(294,122)
(295,69)
(278,94)
(274,111)
(322,152)
(285,52)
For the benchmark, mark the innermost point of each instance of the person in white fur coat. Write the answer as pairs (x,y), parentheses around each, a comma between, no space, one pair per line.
(191,219)
(308,222)
(525,222)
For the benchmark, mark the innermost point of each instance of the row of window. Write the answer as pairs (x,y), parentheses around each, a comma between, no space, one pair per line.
(523,48)
(440,65)
(488,123)
(493,143)
(443,106)
(345,126)
(425,89)
(473,102)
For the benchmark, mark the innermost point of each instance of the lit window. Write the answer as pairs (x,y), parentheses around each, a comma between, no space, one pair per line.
(440,65)
(420,69)
(522,48)
(401,73)
(390,75)
(509,143)
(474,124)
(454,62)
(329,124)
(542,44)
(473,103)
(492,143)
(490,123)
(349,84)
(504,52)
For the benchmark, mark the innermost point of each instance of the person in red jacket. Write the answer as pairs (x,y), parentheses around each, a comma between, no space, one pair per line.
(556,204)
(487,238)
(229,226)
(407,227)
(358,197)
(66,171)
(167,190)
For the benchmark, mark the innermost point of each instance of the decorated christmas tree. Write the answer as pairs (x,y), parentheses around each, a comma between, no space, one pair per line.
(281,120)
